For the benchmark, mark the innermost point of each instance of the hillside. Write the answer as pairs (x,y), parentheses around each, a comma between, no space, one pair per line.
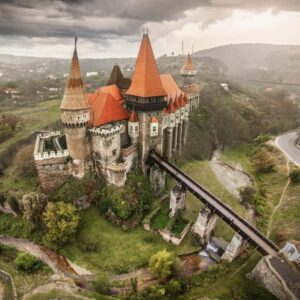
(263,62)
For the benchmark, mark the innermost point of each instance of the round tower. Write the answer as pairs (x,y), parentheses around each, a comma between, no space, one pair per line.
(133,127)
(188,72)
(75,114)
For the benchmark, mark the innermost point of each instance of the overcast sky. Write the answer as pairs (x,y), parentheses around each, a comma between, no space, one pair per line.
(113,28)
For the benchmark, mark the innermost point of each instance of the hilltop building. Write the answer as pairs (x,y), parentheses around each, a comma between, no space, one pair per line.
(113,129)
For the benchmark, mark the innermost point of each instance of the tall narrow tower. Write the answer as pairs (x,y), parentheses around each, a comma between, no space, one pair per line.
(75,112)
(148,97)
(188,72)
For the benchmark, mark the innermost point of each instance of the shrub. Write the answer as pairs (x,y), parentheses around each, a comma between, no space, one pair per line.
(14,204)
(295,176)
(247,193)
(101,284)
(263,161)
(154,292)
(28,263)
(24,161)
(163,264)
(175,288)
(61,223)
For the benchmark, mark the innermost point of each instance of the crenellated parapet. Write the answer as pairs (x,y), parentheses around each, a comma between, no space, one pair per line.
(51,154)
(105,131)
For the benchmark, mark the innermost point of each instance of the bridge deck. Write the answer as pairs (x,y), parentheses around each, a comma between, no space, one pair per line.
(240,225)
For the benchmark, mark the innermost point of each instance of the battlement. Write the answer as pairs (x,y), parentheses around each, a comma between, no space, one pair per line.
(52,154)
(49,134)
(106,130)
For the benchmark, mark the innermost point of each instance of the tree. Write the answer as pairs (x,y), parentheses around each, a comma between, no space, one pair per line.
(61,223)
(162,264)
(24,161)
(33,205)
(247,194)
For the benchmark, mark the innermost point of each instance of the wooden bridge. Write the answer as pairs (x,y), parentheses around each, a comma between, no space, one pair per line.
(240,225)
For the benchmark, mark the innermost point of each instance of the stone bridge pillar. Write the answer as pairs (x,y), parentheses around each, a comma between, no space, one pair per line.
(205,224)
(235,247)
(157,179)
(177,198)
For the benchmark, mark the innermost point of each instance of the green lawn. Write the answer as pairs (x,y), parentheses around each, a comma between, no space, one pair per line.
(117,250)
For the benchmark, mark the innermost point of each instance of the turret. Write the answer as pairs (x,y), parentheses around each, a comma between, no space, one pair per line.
(188,72)
(75,111)
(133,127)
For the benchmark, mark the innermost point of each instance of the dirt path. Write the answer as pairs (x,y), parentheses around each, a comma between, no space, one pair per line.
(281,198)
(65,287)
(56,262)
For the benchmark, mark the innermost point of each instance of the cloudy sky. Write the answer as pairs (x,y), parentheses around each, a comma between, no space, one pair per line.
(113,28)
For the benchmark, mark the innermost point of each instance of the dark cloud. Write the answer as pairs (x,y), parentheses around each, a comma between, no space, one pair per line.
(109,19)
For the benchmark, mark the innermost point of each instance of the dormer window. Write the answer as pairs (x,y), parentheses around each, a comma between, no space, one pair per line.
(153,126)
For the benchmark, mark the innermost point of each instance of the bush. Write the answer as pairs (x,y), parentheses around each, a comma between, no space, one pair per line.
(247,193)
(24,161)
(263,161)
(163,264)
(154,292)
(28,263)
(61,223)
(175,288)
(14,204)
(101,284)
(295,176)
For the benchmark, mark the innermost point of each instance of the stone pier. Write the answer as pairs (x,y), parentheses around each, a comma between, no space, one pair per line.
(175,136)
(169,142)
(234,248)
(205,224)
(177,198)
(157,179)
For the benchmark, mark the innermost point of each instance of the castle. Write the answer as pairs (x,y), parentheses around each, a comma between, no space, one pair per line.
(113,129)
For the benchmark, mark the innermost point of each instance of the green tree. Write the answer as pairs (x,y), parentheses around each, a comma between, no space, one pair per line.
(163,264)
(295,176)
(33,205)
(61,223)
(24,161)
(263,161)
(247,193)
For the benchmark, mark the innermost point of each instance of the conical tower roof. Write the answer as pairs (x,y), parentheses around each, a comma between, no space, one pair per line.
(171,108)
(189,64)
(146,79)
(74,96)
(133,116)
(176,103)
(115,76)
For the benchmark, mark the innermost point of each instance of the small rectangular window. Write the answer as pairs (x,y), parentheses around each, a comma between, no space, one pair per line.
(154,128)
(136,128)
(114,152)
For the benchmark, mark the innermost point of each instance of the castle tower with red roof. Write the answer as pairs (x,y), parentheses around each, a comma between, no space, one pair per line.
(148,97)
(75,113)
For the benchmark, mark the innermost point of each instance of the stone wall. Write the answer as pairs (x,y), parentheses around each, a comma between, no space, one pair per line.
(52,172)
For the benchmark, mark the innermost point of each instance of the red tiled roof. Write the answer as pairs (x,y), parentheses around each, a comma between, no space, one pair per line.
(153,120)
(105,109)
(176,103)
(133,116)
(111,89)
(189,64)
(146,80)
(170,85)
(74,96)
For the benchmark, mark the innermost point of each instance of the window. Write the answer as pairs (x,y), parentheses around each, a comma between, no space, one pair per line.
(136,128)
(154,128)
(130,129)
(114,152)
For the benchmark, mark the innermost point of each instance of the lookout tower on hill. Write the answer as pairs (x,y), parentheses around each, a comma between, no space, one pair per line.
(188,71)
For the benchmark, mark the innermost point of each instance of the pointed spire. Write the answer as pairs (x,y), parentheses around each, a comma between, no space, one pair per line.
(171,108)
(189,64)
(133,118)
(176,103)
(181,101)
(74,96)
(146,79)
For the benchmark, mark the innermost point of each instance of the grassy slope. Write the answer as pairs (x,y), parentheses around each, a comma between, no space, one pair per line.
(202,173)
(117,250)
(34,118)
(24,281)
